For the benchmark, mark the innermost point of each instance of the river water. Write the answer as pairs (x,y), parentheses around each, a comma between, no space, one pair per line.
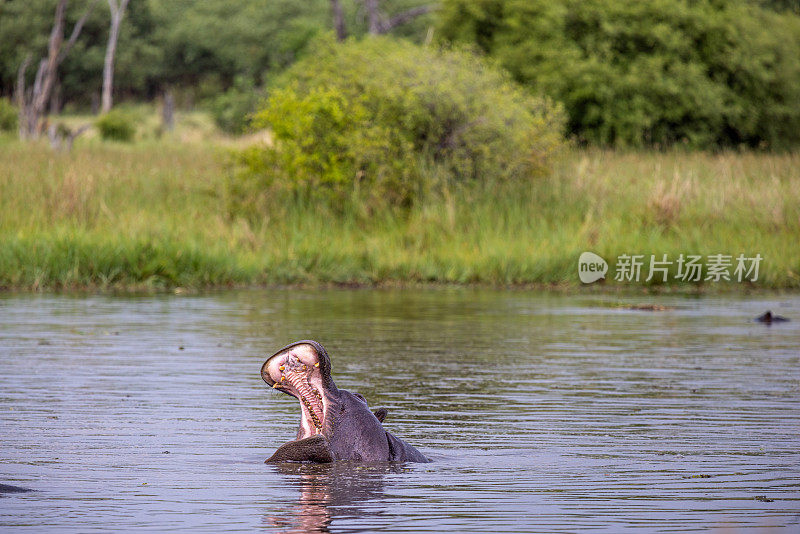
(542,412)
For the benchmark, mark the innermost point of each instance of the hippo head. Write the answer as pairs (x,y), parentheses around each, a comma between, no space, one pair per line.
(303,370)
(335,424)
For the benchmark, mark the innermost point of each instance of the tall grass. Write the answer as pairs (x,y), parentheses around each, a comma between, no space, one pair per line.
(154,216)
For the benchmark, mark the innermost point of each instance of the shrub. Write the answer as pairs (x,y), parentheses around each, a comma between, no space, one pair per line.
(233,109)
(700,72)
(116,125)
(8,116)
(387,121)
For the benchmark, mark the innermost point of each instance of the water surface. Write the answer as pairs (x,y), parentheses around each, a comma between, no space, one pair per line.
(542,412)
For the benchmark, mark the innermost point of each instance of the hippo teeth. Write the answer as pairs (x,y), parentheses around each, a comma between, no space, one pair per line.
(314,417)
(297,372)
(308,395)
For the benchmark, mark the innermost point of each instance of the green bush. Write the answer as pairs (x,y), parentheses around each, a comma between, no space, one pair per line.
(233,109)
(384,122)
(8,116)
(116,125)
(701,72)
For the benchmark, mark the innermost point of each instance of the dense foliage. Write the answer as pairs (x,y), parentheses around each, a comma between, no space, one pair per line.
(116,125)
(700,72)
(233,108)
(387,119)
(196,48)
(704,73)
(8,116)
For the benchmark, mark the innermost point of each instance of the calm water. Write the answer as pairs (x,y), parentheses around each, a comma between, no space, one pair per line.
(542,412)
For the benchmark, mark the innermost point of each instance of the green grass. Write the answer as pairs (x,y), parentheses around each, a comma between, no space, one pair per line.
(153,215)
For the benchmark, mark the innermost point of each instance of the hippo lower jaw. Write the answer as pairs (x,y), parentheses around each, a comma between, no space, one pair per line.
(334,424)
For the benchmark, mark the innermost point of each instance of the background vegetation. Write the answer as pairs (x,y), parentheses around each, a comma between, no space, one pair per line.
(151,215)
(198,49)
(490,141)
(704,73)
(383,123)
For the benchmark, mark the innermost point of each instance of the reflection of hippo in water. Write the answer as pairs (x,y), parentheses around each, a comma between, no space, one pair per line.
(328,492)
(334,423)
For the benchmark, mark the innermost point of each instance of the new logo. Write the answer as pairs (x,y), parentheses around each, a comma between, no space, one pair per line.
(591,267)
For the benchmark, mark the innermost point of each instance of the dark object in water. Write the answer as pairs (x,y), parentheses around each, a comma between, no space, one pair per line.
(5,488)
(769,318)
(335,424)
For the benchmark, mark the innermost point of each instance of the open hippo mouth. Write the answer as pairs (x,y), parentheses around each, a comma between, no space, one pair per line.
(335,424)
(302,370)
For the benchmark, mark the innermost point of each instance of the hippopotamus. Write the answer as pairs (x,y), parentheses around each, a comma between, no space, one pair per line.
(7,488)
(769,318)
(335,424)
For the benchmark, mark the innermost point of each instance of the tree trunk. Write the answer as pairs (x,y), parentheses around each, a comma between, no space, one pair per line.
(117,11)
(55,99)
(22,99)
(338,20)
(379,24)
(46,75)
(373,16)
(33,103)
(62,137)
(168,111)
(404,17)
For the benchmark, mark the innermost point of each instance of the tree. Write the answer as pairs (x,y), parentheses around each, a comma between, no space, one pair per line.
(33,103)
(117,12)
(197,49)
(703,73)
(386,121)
(380,24)
(338,20)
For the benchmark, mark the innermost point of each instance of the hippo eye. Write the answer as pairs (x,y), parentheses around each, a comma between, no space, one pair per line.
(361,397)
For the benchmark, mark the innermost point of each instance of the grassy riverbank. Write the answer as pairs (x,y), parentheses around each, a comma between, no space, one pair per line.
(153,216)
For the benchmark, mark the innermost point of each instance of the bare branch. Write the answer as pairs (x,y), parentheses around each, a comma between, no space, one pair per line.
(76,31)
(20,91)
(22,103)
(61,137)
(37,81)
(404,17)
(75,133)
(34,113)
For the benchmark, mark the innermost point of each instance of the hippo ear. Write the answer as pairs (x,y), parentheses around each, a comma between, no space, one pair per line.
(380,413)
(313,449)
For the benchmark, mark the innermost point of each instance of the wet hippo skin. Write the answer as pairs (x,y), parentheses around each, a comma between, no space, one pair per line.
(7,488)
(769,318)
(335,424)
